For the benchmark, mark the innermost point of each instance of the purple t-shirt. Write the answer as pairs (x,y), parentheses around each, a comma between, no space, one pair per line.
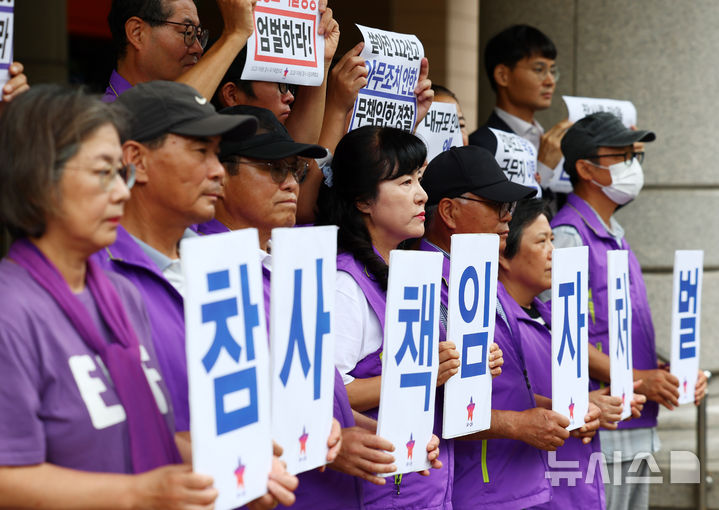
(57,403)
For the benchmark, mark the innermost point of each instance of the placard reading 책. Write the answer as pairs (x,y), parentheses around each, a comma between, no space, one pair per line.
(439,130)
(472,304)
(285,46)
(578,108)
(410,356)
(686,319)
(304,263)
(228,364)
(570,367)
(7,29)
(393,62)
(620,329)
(518,158)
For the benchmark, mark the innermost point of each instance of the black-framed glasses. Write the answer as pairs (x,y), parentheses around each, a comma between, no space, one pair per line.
(628,156)
(502,208)
(287,87)
(192,32)
(278,169)
(106,176)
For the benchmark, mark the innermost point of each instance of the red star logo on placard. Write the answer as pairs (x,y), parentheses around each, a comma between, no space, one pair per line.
(303,441)
(685,385)
(410,447)
(240,474)
(470,409)
(571,409)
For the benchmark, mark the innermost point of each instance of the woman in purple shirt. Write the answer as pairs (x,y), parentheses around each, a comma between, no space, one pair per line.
(525,270)
(85,418)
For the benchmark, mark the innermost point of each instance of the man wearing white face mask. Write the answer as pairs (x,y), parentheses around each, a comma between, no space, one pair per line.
(604,165)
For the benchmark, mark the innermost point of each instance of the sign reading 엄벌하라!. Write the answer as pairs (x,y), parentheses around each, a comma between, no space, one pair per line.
(7,29)
(285,46)
(393,61)
(621,368)
(228,364)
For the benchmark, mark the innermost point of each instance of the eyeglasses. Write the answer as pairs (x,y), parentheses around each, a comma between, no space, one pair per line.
(278,169)
(502,208)
(628,157)
(192,32)
(542,70)
(287,87)
(106,176)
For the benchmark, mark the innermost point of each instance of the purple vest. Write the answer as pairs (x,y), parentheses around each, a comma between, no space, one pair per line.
(117,86)
(414,492)
(485,472)
(165,309)
(578,214)
(537,346)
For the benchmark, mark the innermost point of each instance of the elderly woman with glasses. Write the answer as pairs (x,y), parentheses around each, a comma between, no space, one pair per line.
(85,419)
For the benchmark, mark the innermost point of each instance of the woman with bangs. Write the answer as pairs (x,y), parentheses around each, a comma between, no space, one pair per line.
(375,197)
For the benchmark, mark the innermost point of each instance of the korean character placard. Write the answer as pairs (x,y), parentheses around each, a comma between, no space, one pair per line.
(393,61)
(620,329)
(570,367)
(7,29)
(472,302)
(304,263)
(518,159)
(580,107)
(410,356)
(439,130)
(228,364)
(285,46)
(686,319)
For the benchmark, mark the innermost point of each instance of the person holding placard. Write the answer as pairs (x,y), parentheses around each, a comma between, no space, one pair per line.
(521,67)
(376,200)
(525,270)
(16,85)
(443,95)
(469,193)
(164,40)
(85,413)
(604,165)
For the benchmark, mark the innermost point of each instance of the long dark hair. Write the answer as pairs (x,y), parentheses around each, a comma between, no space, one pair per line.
(364,158)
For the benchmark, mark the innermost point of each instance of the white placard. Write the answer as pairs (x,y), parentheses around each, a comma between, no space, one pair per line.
(393,61)
(686,319)
(471,311)
(228,364)
(410,356)
(285,46)
(518,159)
(580,107)
(304,263)
(570,367)
(439,130)
(7,30)
(620,329)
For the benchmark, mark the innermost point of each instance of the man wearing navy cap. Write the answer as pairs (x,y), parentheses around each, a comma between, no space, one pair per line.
(603,161)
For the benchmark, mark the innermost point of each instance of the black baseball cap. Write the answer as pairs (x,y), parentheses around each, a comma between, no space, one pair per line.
(470,169)
(601,129)
(161,107)
(270,142)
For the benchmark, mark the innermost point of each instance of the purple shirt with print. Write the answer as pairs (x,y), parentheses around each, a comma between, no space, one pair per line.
(117,86)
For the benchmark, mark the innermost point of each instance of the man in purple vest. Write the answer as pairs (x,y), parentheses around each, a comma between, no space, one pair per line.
(603,161)
(469,193)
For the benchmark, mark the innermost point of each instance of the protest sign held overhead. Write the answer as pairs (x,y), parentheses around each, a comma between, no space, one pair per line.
(285,46)
(393,61)
(472,302)
(228,364)
(439,130)
(621,368)
(410,356)
(686,319)
(7,29)
(304,264)
(517,157)
(570,367)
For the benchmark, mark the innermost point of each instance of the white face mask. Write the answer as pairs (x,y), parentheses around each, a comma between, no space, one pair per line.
(627,181)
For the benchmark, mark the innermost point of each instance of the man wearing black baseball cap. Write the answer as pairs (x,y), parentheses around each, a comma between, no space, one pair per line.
(470,194)
(603,161)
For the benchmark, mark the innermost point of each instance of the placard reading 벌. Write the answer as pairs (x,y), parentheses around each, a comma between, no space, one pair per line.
(285,46)
(7,25)
(393,62)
